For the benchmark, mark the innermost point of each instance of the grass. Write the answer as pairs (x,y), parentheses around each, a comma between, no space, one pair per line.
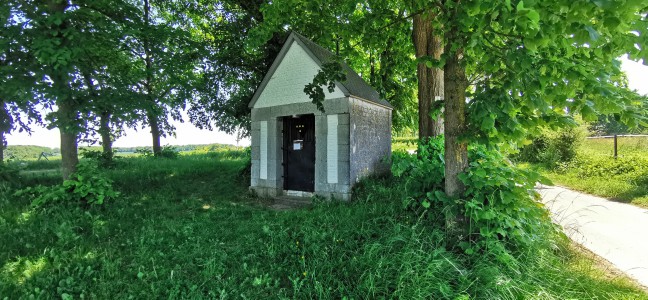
(188,228)
(596,172)
(404,143)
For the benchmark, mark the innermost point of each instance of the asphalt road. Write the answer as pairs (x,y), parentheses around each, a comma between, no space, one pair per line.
(615,231)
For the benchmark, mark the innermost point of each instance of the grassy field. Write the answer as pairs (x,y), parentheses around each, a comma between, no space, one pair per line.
(624,179)
(188,228)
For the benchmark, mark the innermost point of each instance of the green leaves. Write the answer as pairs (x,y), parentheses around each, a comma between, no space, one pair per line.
(432,62)
(330,73)
(87,187)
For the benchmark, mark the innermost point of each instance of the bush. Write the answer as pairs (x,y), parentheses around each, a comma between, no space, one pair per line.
(553,149)
(500,203)
(8,174)
(103,160)
(87,187)
(169,152)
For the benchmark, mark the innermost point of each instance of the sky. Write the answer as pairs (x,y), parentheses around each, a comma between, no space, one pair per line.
(187,134)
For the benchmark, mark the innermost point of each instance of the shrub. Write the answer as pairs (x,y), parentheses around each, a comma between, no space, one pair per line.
(87,187)
(553,148)
(144,152)
(103,160)
(8,174)
(500,202)
(169,152)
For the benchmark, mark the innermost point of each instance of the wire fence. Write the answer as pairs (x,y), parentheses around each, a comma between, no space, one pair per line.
(616,140)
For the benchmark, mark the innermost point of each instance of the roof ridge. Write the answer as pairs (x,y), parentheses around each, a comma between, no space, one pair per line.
(354,84)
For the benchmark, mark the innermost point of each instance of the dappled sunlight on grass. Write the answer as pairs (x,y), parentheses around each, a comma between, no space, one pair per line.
(22,269)
(200,234)
(23,217)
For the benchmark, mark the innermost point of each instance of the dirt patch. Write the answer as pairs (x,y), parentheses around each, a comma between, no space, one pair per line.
(289,203)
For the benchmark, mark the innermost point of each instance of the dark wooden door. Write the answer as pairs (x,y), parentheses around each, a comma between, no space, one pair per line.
(299,153)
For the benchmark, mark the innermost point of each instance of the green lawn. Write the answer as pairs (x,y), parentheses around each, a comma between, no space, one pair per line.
(624,179)
(188,228)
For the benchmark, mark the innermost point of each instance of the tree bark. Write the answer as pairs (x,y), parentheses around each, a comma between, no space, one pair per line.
(155,133)
(430,80)
(67,115)
(3,146)
(106,138)
(456,148)
(151,115)
(69,148)
(5,127)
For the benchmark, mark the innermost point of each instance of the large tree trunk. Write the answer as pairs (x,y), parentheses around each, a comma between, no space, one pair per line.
(69,151)
(456,147)
(67,115)
(430,80)
(152,117)
(155,133)
(106,138)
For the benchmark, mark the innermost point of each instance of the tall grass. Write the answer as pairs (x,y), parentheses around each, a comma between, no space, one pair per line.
(596,171)
(188,228)
(625,145)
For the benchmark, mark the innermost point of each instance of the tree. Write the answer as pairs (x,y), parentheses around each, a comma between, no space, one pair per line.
(428,45)
(17,111)
(510,67)
(65,38)
(165,60)
(373,37)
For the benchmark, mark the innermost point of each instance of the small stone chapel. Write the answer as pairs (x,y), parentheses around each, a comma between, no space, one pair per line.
(297,150)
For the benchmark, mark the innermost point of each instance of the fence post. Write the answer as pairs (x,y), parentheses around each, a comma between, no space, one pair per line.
(615,146)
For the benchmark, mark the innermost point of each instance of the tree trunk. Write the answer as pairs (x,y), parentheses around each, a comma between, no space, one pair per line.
(456,147)
(430,80)
(67,115)
(3,146)
(106,138)
(152,117)
(5,127)
(155,133)
(69,151)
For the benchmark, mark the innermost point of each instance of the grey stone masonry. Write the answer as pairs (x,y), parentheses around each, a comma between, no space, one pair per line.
(370,139)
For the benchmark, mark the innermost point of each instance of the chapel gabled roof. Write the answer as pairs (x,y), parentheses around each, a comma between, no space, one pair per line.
(353,86)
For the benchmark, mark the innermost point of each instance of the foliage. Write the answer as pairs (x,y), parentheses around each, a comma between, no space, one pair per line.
(230,71)
(553,149)
(102,159)
(330,73)
(611,125)
(404,143)
(88,186)
(145,152)
(169,152)
(373,38)
(500,202)
(596,172)
(186,228)
(24,152)
(8,174)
